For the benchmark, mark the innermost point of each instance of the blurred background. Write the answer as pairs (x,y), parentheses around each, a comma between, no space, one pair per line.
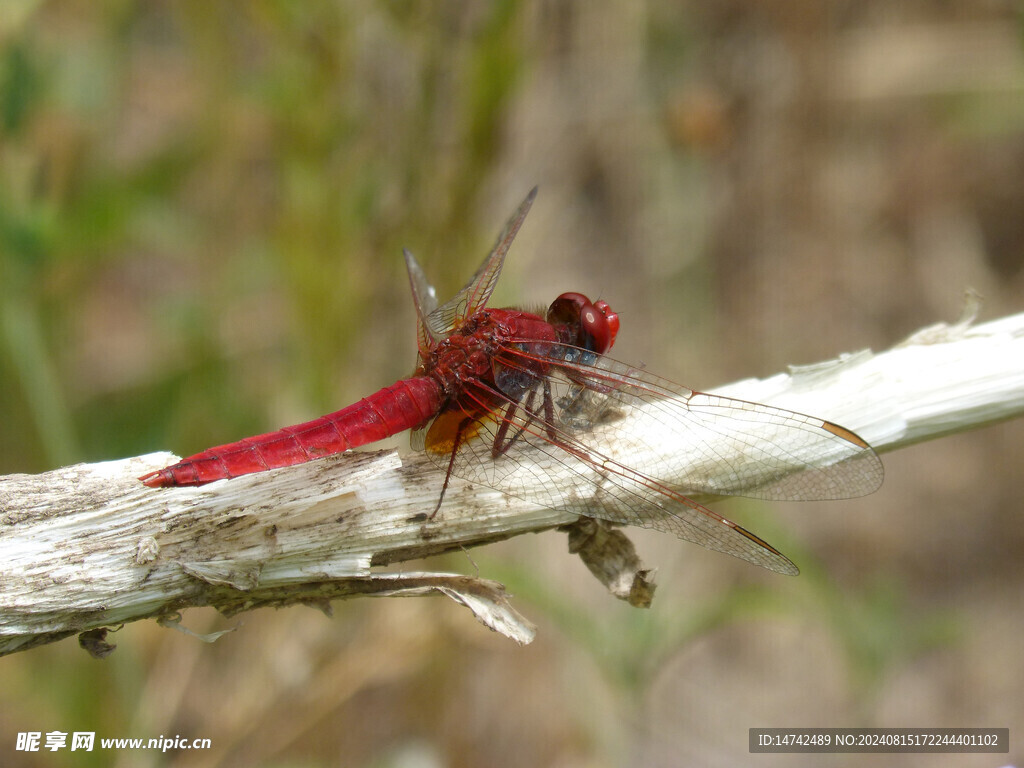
(202,211)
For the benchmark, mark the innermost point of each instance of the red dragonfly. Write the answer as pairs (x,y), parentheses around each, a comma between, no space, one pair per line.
(531,406)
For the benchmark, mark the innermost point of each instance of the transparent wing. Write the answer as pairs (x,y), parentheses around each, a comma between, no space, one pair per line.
(565,428)
(424,299)
(441,321)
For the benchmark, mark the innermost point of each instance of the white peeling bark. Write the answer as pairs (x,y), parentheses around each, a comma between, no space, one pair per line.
(88,546)
(941,380)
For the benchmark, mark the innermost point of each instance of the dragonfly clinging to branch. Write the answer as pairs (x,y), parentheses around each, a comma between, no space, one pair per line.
(531,405)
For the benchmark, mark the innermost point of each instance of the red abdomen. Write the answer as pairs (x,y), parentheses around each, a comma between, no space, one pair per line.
(404,405)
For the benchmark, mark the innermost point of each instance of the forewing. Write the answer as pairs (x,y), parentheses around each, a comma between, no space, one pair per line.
(473,297)
(702,443)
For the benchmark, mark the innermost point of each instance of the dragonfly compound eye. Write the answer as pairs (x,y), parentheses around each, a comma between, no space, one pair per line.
(597,325)
(611,317)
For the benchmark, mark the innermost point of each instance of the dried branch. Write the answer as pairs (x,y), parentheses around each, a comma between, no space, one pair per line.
(88,546)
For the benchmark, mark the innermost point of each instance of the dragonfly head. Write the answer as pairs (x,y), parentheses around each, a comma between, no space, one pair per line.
(591,325)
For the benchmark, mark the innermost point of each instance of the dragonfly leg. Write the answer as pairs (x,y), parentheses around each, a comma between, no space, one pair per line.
(549,411)
(459,432)
(501,445)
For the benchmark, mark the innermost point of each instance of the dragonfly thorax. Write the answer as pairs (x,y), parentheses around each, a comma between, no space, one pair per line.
(469,354)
